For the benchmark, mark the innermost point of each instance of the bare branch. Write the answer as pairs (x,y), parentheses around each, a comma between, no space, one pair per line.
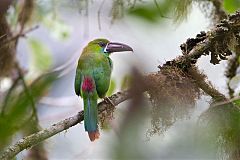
(23,34)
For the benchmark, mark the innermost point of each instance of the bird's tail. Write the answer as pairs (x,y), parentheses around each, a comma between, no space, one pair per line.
(91,112)
(90,117)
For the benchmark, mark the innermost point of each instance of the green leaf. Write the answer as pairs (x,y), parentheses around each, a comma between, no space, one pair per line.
(224,120)
(41,55)
(112,88)
(231,6)
(146,13)
(237,102)
(19,111)
(157,10)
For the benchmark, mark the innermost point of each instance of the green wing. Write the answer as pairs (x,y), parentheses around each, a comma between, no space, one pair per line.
(78,81)
(102,77)
(97,65)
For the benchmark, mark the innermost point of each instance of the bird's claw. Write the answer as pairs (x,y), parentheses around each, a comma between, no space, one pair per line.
(108,100)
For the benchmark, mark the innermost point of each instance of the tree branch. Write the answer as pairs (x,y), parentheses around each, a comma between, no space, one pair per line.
(232,67)
(205,85)
(4,5)
(224,30)
(17,36)
(7,55)
(40,136)
(199,49)
(233,62)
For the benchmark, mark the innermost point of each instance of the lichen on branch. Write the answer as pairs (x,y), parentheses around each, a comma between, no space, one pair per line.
(177,74)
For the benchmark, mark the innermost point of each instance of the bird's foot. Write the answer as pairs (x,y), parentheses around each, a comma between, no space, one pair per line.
(108,100)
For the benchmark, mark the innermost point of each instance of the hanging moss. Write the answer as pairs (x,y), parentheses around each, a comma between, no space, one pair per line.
(172,99)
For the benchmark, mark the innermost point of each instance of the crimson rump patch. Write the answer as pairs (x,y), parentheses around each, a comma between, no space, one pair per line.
(88,84)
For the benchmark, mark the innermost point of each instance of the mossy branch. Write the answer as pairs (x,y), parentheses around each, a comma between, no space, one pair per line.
(205,85)
(185,62)
(232,67)
(215,42)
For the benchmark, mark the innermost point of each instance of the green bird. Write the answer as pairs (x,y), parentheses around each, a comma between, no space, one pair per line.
(93,75)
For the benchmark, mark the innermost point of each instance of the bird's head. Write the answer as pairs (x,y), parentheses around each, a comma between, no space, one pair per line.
(105,46)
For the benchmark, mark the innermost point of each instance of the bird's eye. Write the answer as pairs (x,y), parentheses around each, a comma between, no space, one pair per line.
(101,44)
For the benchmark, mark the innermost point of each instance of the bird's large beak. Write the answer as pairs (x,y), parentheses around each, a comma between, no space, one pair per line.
(117,47)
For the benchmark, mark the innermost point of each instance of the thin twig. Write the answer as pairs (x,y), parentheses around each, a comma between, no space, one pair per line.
(2,36)
(23,34)
(27,91)
(159,9)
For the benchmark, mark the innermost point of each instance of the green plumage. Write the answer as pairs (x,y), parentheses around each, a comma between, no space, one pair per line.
(96,64)
(93,76)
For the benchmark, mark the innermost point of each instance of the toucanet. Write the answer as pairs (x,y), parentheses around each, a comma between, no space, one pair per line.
(93,75)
